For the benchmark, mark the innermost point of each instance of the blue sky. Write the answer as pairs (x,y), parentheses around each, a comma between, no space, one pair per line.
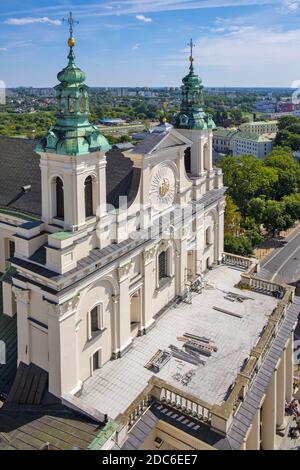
(144,42)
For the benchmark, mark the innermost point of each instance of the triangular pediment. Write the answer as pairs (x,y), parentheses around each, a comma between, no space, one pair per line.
(156,142)
(172,139)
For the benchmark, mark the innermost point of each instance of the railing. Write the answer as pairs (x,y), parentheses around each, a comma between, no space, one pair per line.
(263,286)
(158,390)
(139,410)
(218,416)
(185,405)
(240,261)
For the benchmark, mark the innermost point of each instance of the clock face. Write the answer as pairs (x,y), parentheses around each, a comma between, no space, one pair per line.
(162,188)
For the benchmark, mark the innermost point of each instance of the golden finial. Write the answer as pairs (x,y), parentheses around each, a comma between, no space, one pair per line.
(71,22)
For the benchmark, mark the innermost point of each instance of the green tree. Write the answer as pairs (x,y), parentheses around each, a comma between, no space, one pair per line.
(256,209)
(238,245)
(292,206)
(275,217)
(247,177)
(282,138)
(288,171)
(232,218)
(286,122)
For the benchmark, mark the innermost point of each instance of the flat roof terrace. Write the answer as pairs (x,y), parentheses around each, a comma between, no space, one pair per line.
(114,387)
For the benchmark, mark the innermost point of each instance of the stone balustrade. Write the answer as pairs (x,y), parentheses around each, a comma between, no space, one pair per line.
(240,261)
(187,406)
(139,410)
(219,417)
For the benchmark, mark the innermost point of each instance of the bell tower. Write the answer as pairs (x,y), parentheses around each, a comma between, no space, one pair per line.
(194,123)
(73,161)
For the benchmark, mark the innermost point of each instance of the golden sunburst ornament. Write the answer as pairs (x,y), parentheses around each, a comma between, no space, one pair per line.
(164,187)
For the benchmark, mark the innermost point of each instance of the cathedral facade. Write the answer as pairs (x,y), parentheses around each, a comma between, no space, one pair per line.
(101,242)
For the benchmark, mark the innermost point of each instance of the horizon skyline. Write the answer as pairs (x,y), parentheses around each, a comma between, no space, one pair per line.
(238,42)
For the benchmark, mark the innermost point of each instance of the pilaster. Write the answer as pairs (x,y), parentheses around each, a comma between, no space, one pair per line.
(23,310)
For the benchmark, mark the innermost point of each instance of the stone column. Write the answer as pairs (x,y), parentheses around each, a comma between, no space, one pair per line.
(148,288)
(289,357)
(268,430)
(23,310)
(182,263)
(220,231)
(281,380)
(253,441)
(124,308)
(199,232)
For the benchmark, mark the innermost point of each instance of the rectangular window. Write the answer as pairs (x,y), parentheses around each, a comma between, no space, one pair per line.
(207,237)
(12,249)
(162,265)
(95,320)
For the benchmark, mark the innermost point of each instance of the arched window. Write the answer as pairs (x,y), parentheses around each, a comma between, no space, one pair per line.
(82,105)
(60,212)
(72,103)
(88,192)
(187,160)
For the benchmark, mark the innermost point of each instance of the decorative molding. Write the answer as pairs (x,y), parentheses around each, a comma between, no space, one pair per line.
(22,295)
(149,255)
(115,299)
(59,310)
(123,271)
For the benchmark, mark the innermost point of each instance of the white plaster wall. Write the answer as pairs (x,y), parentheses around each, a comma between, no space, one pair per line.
(38,308)
(38,346)
(100,292)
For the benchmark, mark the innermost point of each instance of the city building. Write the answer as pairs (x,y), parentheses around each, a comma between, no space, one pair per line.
(260,127)
(222,140)
(126,307)
(251,144)
(266,105)
(111,122)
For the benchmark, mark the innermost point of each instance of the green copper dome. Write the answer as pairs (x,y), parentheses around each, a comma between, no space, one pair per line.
(192,115)
(72,133)
(71,74)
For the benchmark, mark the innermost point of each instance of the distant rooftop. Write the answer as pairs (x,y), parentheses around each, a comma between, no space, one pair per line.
(113,388)
(252,137)
(225,132)
(259,123)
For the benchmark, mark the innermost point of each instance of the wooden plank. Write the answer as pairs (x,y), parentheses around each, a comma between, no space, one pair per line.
(20,445)
(65,427)
(77,423)
(227,312)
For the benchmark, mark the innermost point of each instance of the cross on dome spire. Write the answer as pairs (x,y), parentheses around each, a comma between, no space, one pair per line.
(71,22)
(191,59)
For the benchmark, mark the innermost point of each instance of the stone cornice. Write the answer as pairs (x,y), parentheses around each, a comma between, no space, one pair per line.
(22,295)
(64,309)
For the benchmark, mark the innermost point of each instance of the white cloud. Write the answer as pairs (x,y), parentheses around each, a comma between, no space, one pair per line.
(135,47)
(139,7)
(245,56)
(291,6)
(144,18)
(3,49)
(30,20)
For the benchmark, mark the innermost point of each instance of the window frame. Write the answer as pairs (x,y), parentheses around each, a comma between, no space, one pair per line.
(100,320)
